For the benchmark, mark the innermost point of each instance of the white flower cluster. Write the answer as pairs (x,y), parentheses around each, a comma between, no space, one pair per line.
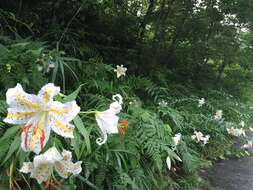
(120,70)
(218,115)
(40,115)
(163,103)
(176,139)
(236,132)
(201,102)
(198,136)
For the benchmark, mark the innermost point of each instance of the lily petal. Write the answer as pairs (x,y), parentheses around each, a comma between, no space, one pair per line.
(168,162)
(67,155)
(20,100)
(17,116)
(50,157)
(41,173)
(35,135)
(27,167)
(64,112)
(61,127)
(65,168)
(48,91)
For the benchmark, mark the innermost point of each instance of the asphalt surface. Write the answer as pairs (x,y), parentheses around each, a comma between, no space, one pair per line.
(234,174)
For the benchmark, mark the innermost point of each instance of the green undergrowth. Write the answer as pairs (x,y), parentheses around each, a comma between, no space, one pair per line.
(136,160)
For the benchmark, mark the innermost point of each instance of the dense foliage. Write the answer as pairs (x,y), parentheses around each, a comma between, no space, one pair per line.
(176,52)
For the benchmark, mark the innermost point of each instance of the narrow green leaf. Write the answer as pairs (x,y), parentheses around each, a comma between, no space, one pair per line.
(73,95)
(14,146)
(80,126)
(9,133)
(87,182)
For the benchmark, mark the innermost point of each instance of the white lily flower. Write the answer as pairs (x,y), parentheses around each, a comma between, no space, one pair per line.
(200,137)
(242,123)
(39,115)
(138,13)
(120,70)
(176,139)
(205,139)
(163,103)
(43,165)
(39,68)
(248,145)
(108,120)
(201,102)
(236,132)
(218,115)
(50,66)
(197,135)
(168,162)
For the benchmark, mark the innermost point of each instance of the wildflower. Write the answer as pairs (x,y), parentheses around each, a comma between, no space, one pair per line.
(168,162)
(201,102)
(163,103)
(197,135)
(43,165)
(108,120)
(236,132)
(218,115)
(138,13)
(39,114)
(242,123)
(176,139)
(200,137)
(50,66)
(205,139)
(123,125)
(148,27)
(39,68)
(248,145)
(120,70)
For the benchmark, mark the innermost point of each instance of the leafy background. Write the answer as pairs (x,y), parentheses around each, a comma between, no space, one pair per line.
(175,51)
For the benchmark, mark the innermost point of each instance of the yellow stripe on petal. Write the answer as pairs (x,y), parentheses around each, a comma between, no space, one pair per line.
(63,127)
(26,102)
(19,115)
(61,111)
(48,93)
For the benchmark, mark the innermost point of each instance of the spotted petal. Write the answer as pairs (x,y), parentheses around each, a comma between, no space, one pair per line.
(18,116)
(48,91)
(27,167)
(41,173)
(65,168)
(67,155)
(22,101)
(35,135)
(61,127)
(64,112)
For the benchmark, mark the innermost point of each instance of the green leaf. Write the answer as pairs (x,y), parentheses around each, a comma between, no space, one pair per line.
(9,133)
(63,75)
(14,146)
(36,52)
(87,182)
(80,126)
(73,95)
(75,143)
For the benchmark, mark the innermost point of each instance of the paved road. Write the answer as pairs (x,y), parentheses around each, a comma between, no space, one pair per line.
(234,174)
